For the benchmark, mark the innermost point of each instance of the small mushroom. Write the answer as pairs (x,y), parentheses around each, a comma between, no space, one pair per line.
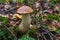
(17,16)
(26,20)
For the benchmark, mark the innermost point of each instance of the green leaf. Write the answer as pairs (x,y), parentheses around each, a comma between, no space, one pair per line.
(58,31)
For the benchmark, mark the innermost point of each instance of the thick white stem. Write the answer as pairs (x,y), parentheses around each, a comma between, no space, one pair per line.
(25,24)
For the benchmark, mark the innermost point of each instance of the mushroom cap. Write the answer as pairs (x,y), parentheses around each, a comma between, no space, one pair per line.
(24,10)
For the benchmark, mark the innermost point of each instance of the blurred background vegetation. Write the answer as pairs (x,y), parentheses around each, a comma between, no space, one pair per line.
(5,33)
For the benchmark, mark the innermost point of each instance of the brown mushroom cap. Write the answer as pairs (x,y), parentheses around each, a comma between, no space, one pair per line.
(24,10)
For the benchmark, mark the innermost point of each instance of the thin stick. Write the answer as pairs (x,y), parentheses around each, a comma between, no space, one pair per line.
(10,31)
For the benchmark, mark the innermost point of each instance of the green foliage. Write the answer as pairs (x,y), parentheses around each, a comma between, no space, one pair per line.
(51,5)
(53,17)
(2,35)
(29,2)
(55,1)
(25,37)
(17,0)
(37,17)
(5,34)
(58,31)
(4,20)
(2,1)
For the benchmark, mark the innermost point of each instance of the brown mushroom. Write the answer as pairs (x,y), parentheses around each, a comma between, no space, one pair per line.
(26,20)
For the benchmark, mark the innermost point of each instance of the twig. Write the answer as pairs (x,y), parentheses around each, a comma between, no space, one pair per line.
(10,31)
(37,36)
(12,9)
(43,36)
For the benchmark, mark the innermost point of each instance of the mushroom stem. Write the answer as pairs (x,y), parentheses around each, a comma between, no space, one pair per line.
(26,20)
